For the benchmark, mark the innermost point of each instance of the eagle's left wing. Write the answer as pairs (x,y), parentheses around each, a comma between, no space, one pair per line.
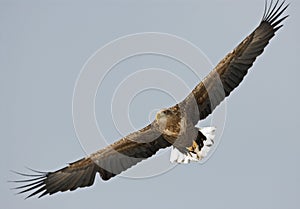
(108,162)
(230,71)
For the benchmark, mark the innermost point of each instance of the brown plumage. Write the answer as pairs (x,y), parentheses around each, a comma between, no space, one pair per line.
(173,126)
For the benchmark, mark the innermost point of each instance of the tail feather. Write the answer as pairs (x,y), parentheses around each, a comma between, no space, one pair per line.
(199,150)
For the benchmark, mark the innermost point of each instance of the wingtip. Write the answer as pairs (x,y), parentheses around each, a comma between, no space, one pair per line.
(273,11)
(31,182)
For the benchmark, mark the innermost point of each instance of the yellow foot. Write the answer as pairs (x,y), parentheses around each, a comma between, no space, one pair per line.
(193,147)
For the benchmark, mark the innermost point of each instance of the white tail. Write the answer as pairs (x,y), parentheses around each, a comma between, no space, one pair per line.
(195,154)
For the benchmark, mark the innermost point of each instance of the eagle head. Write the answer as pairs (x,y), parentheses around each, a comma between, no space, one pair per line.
(169,122)
(163,116)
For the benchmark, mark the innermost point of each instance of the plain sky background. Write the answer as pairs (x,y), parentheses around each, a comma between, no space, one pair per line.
(44,45)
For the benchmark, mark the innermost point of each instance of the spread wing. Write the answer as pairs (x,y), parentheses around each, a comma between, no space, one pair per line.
(229,73)
(108,162)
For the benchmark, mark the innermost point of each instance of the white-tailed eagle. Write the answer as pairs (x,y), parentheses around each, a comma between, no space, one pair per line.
(174,126)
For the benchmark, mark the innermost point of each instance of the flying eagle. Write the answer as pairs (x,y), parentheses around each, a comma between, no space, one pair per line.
(174,126)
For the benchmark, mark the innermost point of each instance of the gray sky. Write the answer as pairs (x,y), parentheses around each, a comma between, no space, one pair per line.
(43,48)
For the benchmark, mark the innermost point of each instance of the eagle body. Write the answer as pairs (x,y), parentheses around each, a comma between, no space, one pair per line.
(176,128)
(173,127)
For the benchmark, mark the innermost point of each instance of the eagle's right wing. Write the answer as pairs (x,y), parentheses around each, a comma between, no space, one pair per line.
(229,73)
(109,162)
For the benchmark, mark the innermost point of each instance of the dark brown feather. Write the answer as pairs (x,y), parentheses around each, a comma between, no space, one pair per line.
(108,162)
(229,73)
